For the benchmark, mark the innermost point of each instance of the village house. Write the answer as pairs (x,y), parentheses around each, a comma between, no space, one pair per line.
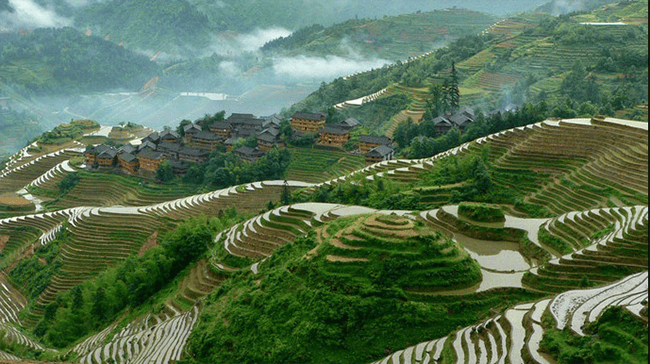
(169,136)
(334,136)
(179,167)
(442,125)
(349,123)
(268,138)
(308,122)
(207,141)
(128,162)
(247,154)
(153,138)
(191,155)
(378,154)
(147,145)
(221,128)
(190,130)
(91,153)
(107,158)
(169,150)
(150,160)
(368,142)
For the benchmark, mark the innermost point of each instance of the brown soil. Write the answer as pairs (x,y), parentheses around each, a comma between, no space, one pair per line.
(336,258)
(14,201)
(3,241)
(152,242)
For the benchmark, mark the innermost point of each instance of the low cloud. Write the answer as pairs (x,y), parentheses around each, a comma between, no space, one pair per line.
(567,6)
(253,41)
(29,14)
(329,67)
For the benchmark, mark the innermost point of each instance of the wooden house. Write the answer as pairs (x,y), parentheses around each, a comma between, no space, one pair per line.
(308,122)
(368,142)
(334,136)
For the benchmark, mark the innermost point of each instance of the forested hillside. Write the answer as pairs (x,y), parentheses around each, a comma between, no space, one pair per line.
(65,61)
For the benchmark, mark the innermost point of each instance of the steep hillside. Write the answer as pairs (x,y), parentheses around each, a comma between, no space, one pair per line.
(391,252)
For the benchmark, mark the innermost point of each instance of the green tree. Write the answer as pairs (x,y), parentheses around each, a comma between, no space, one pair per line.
(165,172)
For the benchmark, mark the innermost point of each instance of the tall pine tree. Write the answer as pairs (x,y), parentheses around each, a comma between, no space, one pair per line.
(451,86)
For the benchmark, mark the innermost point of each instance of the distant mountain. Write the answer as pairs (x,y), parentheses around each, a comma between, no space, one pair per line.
(65,61)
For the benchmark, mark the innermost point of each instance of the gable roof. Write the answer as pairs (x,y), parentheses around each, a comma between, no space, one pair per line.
(127,148)
(380,151)
(192,151)
(310,116)
(331,129)
(169,134)
(235,115)
(154,137)
(460,119)
(107,154)
(374,139)
(221,125)
(97,149)
(150,154)
(467,111)
(349,123)
(191,127)
(174,147)
(442,120)
(206,135)
(253,152)
(147,144)
(127,157)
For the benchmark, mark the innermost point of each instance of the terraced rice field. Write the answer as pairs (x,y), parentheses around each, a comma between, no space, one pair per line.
(515,335)
(595,186)
(318,165)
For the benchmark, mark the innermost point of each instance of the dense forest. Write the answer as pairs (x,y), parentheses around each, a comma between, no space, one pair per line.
(42,62)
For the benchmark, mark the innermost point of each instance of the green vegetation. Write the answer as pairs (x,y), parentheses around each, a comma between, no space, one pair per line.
(41,62)
(481,212)
(616,337)
(301,310)
(317,165)
(129,284)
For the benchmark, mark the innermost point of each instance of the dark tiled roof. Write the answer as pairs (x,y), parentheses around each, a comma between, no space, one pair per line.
(169,134)
(255,122)
(127,148)
(149,154)
(206,135)
(235,115)
(97,149)
(467,111)
(310,116)
(147,144)
(329,129)
(221,125)
(350,123)
(192,151)
(253,152)
(127,157)
(271,131)
(107,154)
(441,120)
(380,151)
(154,137)
(191,127)
(268,138)
(373,139)
(164,146)
(460,119)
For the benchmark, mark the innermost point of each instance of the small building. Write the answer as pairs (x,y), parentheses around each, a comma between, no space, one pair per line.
(334,136)
(153,137)
(127,148)
(169,136)
(150,160)
(467,111)
(349,123)
(308,122)
(378,154)
(368,142)
(442,125)
(221,128)
(272,121)
(147,145)
(91,153)
(207,141)
(461,121)
(107,158)
(229,143)
(169,150)
(129,162)
(192,155)
(247,154)
(179,167)
(189,131)
(268,138)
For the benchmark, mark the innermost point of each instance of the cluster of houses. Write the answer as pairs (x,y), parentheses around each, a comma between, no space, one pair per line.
(461,119)
(374,148)
(196,144)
